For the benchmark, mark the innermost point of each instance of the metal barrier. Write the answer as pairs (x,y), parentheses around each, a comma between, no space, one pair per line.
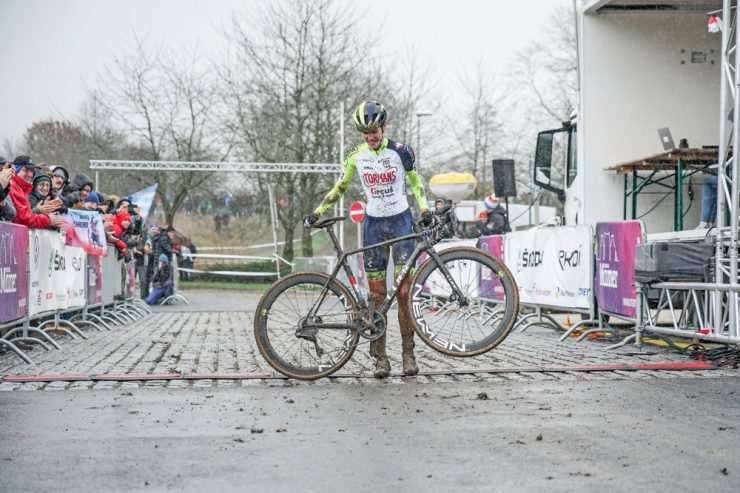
(49,288)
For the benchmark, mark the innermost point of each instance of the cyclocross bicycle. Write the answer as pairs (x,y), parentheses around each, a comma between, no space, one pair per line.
(464,303)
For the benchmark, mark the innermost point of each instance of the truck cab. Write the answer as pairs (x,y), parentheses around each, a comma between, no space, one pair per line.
(556,167)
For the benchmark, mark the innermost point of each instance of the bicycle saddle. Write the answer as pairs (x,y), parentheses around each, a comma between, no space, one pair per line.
(324,223)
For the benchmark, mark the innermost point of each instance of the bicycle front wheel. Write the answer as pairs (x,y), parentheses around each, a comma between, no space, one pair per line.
(470,325)
(297,351)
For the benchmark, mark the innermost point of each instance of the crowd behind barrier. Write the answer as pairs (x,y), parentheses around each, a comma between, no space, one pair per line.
(48,288)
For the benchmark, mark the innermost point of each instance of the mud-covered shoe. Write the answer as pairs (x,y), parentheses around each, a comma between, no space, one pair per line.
(409,364)
(382,367)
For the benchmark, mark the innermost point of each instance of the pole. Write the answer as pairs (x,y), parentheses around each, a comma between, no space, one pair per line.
(341,161)
(732,295)
(97,180)
(273,217)
(530,191)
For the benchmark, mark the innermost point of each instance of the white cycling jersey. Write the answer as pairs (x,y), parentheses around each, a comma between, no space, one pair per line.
(384,173)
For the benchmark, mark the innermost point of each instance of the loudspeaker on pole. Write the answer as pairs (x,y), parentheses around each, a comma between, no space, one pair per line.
(504,177)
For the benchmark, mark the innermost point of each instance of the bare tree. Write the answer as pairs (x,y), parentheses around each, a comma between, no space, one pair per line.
(293,64)
(168,102)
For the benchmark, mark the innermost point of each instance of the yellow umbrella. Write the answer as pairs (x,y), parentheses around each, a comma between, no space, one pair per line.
(455,186)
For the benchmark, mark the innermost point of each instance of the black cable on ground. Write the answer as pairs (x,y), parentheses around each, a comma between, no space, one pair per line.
(725,356)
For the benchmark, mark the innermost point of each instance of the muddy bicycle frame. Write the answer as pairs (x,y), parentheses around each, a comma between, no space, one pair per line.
(423,244)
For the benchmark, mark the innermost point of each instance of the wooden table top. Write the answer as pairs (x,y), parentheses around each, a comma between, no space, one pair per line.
(668,160)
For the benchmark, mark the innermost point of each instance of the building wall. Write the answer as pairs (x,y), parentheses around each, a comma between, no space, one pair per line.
(633,82)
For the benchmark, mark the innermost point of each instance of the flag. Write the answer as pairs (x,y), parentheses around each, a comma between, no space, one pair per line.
(715,24)
(144,199)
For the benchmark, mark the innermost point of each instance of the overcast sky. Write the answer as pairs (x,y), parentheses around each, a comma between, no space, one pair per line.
(52,49)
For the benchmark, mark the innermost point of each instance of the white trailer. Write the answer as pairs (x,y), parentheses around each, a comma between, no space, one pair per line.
(643,65)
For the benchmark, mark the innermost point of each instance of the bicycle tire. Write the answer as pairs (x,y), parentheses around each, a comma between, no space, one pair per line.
(429,282)
(273,311)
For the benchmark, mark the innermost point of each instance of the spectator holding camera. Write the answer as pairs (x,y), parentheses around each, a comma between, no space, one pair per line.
(7,173)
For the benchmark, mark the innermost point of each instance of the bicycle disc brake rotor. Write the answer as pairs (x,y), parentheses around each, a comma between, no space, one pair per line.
(375,329)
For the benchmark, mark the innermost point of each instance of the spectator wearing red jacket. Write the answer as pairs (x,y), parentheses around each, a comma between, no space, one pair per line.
(121,222)
(20,187)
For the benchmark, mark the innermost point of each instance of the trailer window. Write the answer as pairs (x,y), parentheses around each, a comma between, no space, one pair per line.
(572,156)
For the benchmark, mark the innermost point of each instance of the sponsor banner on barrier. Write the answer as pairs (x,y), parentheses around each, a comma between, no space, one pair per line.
(57,274)
(130,278)
(490,283)
(74,276)
(614,278)
(111,270)
(93,280)
(13,266)
(552,266)
(84,229)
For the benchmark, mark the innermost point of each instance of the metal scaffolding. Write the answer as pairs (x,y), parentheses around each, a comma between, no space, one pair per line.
(725,307)
(98,165)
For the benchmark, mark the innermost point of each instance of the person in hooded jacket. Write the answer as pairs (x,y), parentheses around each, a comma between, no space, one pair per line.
(162,281)
(121,222)
(20,187)
(77,191)
(39,199)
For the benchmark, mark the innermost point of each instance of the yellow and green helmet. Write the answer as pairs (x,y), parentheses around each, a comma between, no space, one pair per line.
(369,116)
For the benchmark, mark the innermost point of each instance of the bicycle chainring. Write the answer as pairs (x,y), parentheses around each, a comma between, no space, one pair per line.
(372,331)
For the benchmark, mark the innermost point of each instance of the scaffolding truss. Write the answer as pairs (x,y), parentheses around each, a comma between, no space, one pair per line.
(231,167)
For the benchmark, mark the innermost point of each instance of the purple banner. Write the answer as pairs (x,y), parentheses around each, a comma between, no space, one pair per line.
(614,279)
(490,285)
(130,278)
(93,280)
(13,271)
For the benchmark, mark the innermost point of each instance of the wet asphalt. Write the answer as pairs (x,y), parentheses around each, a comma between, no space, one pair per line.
(677,434)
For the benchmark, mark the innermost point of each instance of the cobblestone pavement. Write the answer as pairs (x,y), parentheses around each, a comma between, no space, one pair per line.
(219,339)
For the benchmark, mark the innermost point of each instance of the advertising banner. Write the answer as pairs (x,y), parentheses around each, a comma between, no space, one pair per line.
(614,278)
(57,273)
(85,229)
(490,284)
(552,266)
(47,259)
(111,272)
(93,280)
(130,277)
(74,276)
(13,266)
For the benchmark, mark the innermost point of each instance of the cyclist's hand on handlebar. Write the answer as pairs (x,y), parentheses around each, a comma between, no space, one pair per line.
(310,220)
(427,218)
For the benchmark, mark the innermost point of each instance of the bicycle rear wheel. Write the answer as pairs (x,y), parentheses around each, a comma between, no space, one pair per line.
(312,353)
(472,325)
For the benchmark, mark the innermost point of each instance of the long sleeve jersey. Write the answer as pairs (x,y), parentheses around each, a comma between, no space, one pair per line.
(385,173)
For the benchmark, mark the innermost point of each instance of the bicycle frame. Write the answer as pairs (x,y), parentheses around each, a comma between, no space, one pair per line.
(422,245)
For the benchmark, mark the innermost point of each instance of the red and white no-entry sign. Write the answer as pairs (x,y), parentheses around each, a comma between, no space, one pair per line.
(357,212)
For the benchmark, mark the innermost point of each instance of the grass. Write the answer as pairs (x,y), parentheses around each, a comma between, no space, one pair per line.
(240,286)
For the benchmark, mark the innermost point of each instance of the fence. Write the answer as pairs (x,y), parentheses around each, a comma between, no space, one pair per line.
(47,286)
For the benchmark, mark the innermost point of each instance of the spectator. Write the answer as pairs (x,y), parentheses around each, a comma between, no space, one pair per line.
(20,187)
(77,191)
(708,202)
(39,199)
(162,281)
(7,173)
(59,179)
(450,229)
(121,222)
(495,221)
(150,259)
(137,222)
(163,243)
(187,250)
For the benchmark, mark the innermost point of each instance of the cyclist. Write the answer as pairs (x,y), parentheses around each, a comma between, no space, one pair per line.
(385,168)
